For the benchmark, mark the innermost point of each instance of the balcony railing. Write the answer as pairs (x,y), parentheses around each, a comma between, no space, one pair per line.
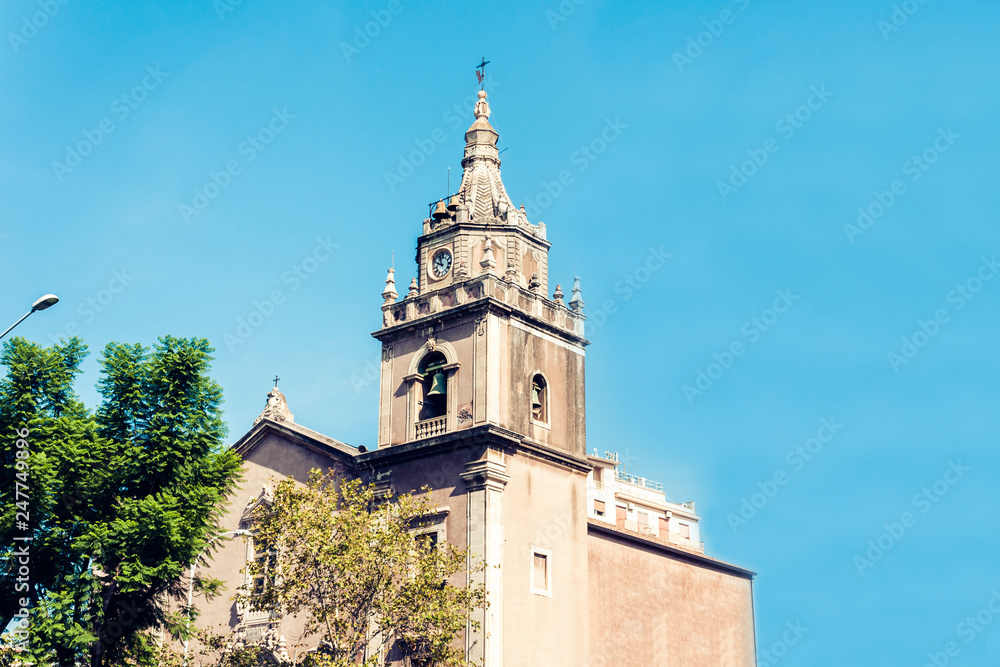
(638,481)
(431,427)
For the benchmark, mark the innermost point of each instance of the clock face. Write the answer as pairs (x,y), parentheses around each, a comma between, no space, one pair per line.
(441,263)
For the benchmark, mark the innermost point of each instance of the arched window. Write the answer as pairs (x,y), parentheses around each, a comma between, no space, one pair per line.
(433,388)
(539,399)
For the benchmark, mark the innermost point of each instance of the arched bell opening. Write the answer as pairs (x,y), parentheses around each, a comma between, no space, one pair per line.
(433,387)
(539,399)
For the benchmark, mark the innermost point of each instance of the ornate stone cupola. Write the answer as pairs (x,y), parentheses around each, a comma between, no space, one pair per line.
(481,190)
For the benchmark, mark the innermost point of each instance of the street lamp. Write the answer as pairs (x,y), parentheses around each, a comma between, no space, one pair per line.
(42,303)
(194,564)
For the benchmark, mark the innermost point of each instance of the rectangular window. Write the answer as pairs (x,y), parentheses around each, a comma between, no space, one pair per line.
(266,568)
(263,558)
(599,507)
(685,530)
(430,530)
(644,526)
(541,571)
(541,567)
(428,540)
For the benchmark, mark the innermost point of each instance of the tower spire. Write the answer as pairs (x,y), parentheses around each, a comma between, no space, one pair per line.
(482,190)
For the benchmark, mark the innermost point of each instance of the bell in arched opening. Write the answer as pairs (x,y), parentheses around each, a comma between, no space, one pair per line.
(539,399)
(435,386)
(439,385)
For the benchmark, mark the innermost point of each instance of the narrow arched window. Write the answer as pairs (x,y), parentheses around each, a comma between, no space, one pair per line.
(433,386)
(539,399)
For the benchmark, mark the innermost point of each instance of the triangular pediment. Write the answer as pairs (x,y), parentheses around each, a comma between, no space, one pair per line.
(253,509)
(294,433)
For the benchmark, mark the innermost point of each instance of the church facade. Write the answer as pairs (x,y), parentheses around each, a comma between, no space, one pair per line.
(481,398)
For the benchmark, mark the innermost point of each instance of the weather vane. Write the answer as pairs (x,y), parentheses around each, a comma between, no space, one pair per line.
(481,72)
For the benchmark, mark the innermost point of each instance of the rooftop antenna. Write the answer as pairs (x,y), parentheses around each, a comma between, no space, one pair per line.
(449,180)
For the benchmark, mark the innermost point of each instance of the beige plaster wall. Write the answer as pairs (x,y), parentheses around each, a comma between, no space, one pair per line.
(653,609)
(441,473)
(544,506)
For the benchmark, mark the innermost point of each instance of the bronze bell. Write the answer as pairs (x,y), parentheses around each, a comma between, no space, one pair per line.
(439,385)
(536,399)
(453,204)
(439,211)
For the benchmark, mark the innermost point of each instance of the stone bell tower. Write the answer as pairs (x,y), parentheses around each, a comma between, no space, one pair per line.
(476,339)
(482,398)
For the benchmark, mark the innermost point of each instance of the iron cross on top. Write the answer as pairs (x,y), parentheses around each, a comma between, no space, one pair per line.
(481,71)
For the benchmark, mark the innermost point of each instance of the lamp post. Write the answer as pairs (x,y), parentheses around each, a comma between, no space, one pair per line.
(194,564)
(41,304)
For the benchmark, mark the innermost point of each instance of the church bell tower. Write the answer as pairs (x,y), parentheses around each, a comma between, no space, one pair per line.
(481,398)
(477,339)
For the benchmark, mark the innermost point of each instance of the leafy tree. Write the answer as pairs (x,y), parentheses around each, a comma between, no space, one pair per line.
(345,558)
(118,502)
(214,650)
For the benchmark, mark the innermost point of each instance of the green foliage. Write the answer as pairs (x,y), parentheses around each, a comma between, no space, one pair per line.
(346,559)
(120,501)
(215,650)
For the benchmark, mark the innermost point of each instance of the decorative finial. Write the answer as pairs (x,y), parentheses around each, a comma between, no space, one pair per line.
(558,295)
(534,283)
(390,295)
(576,303)
(488,263)
(482,109)
(276,408)
(511,271)
(414,289)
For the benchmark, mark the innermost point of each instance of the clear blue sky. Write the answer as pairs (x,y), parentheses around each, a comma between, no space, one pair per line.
(337,122)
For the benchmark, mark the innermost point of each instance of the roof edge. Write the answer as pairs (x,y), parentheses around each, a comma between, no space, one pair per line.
(682,554)
(296,433)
